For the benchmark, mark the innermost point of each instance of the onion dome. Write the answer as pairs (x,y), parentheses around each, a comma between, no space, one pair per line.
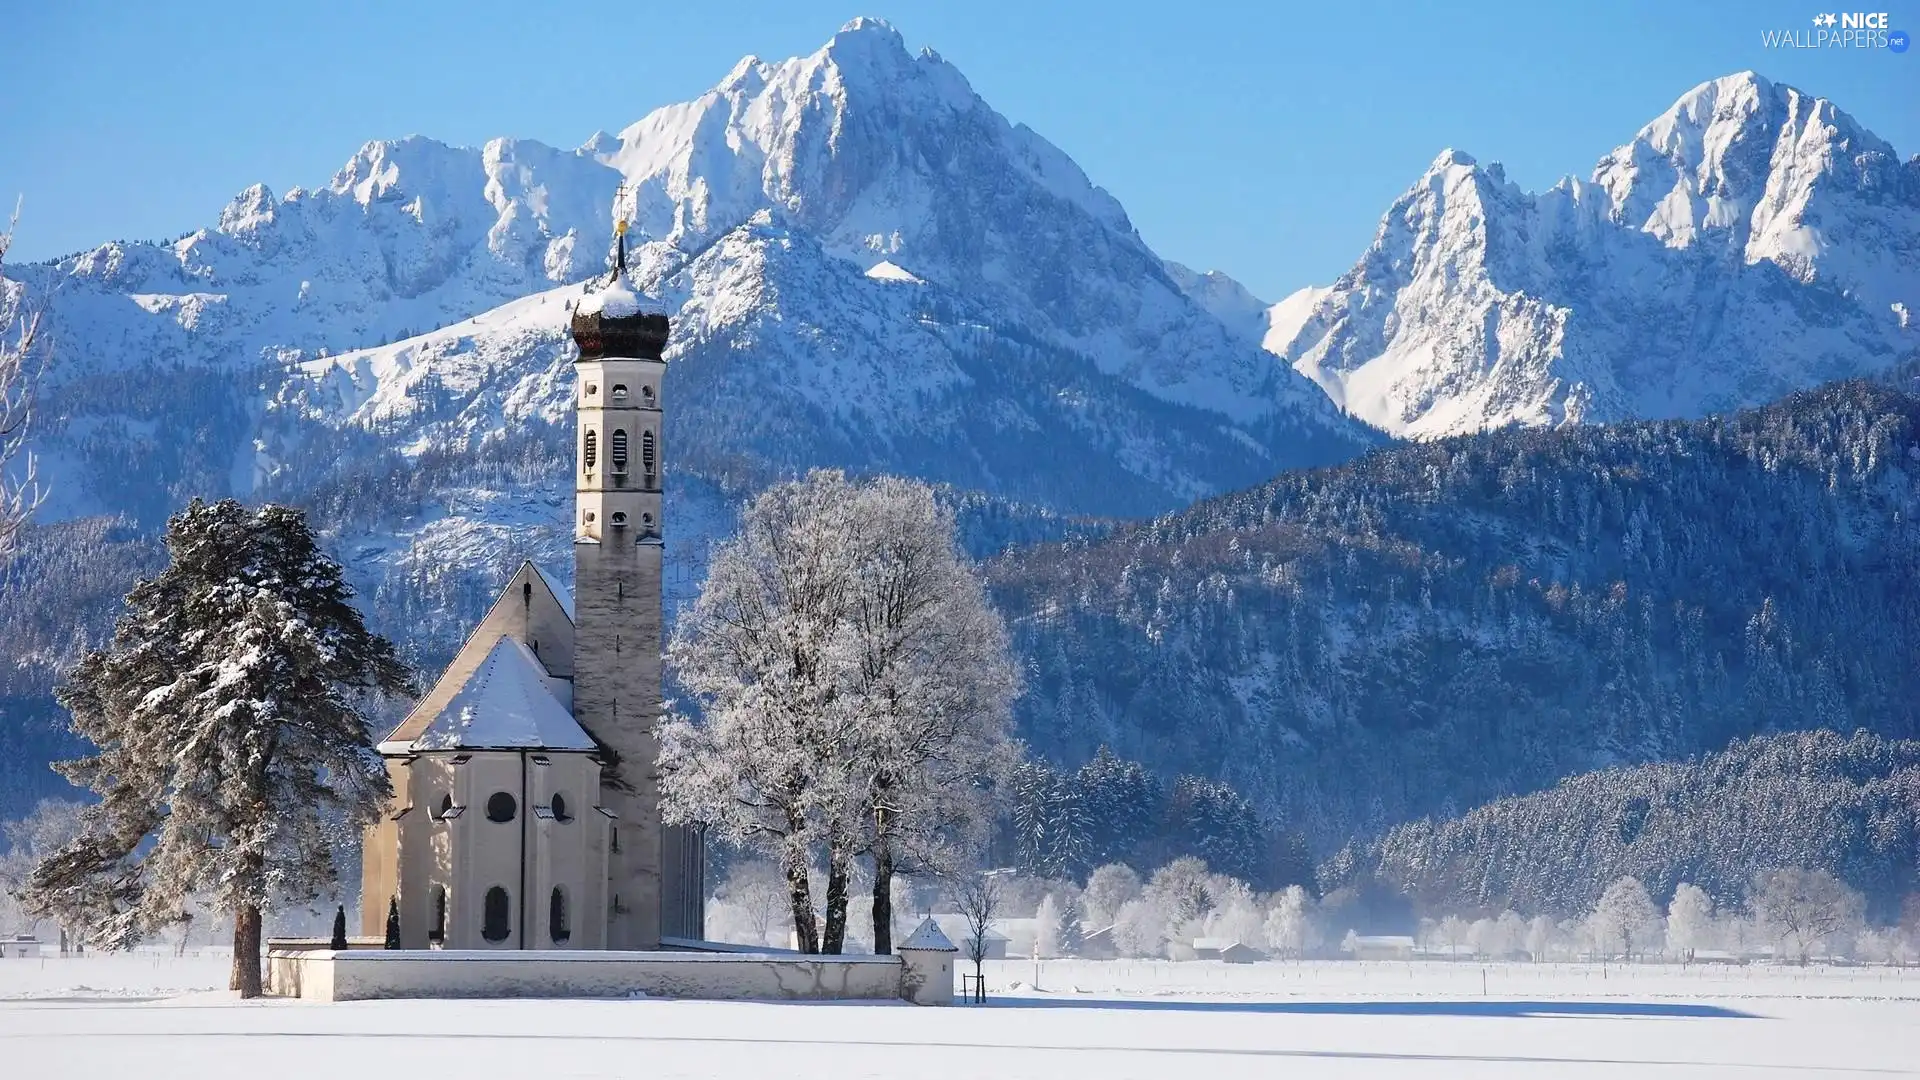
(607,321)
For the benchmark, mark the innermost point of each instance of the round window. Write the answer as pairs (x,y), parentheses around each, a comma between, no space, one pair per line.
(501,807)
(560,810)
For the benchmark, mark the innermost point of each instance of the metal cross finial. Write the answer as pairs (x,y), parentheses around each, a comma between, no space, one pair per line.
(622,203)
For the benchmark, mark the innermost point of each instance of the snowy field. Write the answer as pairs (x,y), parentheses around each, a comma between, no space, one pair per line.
(150,1017)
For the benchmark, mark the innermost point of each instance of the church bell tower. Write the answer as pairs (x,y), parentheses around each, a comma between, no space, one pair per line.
(654,887)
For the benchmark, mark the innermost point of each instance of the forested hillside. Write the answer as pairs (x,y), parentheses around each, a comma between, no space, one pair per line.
(1437,625)
(1808,800)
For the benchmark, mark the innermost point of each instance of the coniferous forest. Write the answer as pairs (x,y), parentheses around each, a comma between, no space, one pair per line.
(1436,625)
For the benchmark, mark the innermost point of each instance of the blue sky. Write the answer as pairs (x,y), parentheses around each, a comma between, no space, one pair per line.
(1261,139)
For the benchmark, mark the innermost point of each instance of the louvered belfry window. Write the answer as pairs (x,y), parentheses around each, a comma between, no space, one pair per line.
(593,449)
(620,451)
(646,454)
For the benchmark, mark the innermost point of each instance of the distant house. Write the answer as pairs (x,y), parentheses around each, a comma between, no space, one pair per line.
(1209,948)
(1227,949)
(1379,947)
(1238,953)
(1098,945)
(957,931)
(19,947)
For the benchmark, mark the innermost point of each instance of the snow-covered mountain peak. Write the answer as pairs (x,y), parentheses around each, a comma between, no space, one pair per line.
(1750,240)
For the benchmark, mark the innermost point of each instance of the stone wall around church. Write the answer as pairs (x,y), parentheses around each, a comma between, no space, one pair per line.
(358,975)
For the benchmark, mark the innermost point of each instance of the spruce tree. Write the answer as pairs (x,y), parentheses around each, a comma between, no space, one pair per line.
(393,923)
(339,942)
(230,726)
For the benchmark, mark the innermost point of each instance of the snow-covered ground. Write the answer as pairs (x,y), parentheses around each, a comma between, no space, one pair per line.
(155,1017)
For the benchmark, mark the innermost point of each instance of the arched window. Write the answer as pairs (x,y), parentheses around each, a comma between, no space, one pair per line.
(619,393)
(646,454)
(501,807)
(619,519)
(646,395)
(557,917)
(559,806)
(446,805)
(494,924)
(439,930)
(619,451)
(593,449)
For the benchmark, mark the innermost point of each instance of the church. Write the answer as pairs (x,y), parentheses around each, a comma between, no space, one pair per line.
(526,795)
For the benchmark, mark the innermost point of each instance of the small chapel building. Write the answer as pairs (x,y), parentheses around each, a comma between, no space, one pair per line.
(526,793)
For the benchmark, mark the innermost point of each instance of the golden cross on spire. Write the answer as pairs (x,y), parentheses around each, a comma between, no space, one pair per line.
(621,205)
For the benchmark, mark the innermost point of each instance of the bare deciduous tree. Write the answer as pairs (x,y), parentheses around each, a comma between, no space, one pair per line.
(1804,909)
(19,328)
(977,898)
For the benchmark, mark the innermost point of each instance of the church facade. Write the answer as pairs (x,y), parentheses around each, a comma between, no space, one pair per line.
(526,796)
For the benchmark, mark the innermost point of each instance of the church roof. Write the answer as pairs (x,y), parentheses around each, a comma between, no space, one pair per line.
(505,704)
(560,593)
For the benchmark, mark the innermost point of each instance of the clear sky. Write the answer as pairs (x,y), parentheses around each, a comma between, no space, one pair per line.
(1264,139)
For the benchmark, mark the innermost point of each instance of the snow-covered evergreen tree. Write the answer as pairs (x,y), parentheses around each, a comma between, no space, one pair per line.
(1068,935)
(230,719)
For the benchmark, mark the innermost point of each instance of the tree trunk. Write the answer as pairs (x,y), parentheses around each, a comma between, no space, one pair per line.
(835,937)
(882,896)
(246,951)
(793,862)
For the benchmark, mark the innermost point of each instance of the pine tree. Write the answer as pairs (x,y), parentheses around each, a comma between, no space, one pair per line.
(339,942)
(393,923)
(229,717)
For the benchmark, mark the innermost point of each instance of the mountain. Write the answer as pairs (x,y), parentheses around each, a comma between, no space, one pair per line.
(868,268)
(1807,800)
(1443,623)
(1750,241)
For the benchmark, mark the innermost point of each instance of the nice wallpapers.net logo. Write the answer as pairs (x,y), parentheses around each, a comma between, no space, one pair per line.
(1841,30)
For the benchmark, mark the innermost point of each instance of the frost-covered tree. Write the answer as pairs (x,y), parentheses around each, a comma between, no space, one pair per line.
(1046,928)
(854,690)
(1497,937)
(1108,889)
(1184,887)
(758,891)
(231,726)
(1142,927)
(1624,919)
(1454,932)
(1288,925)
(51,826)
(1689,921)
(1237,919)
(18,330)
(1805,910)
(1541,935)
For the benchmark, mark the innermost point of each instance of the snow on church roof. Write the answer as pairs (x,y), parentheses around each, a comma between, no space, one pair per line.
(565,596)
(504,704)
